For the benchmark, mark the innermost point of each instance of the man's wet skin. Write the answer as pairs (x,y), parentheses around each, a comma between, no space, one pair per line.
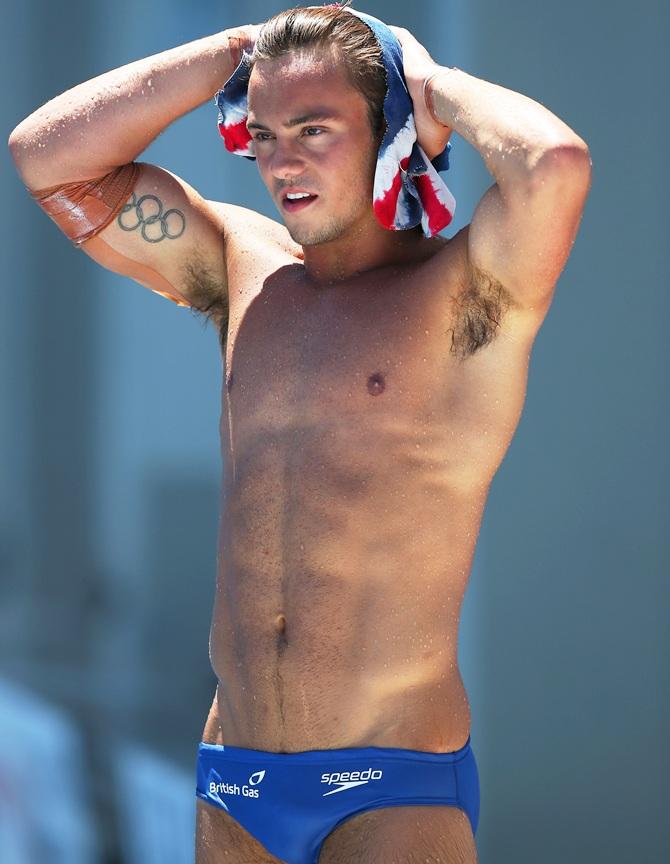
(358,450)
(370,396)
(361,427)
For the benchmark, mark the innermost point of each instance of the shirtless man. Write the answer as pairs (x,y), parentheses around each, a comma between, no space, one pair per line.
(373,382)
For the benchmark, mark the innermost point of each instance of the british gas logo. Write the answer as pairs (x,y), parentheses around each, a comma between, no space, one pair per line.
(246,791)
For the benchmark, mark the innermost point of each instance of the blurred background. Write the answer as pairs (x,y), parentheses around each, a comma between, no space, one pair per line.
(110,466)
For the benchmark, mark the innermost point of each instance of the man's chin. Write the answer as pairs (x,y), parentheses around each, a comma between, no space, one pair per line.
(314,236)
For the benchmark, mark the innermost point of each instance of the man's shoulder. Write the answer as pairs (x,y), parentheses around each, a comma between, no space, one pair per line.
(443,258)
(243,227)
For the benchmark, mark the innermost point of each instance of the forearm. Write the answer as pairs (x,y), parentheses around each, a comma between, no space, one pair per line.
(511,131)
(110,120)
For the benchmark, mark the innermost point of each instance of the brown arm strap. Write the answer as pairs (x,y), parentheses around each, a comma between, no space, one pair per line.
(82,209)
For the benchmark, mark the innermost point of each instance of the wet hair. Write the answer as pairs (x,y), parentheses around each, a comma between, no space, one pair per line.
(324,27)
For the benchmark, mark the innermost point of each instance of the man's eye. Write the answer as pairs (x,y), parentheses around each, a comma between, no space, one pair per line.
(262,136)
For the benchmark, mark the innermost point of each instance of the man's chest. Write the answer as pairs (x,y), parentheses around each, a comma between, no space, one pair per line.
(371,358)
(361,349)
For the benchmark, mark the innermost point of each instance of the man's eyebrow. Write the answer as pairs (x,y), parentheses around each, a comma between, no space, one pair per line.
(312,117)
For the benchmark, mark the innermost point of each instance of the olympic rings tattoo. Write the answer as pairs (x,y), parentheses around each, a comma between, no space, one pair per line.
(144,221)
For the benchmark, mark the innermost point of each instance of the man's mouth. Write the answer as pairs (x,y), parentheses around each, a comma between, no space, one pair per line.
(293,201)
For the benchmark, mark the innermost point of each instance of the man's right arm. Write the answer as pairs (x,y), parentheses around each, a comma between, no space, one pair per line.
(77,156)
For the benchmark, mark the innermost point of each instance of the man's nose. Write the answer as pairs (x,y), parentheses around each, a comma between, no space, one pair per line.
(286,160)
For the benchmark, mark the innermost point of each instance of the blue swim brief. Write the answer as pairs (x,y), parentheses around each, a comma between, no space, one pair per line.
(290,802)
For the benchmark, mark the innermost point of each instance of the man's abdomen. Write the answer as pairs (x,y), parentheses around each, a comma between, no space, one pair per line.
(338,600)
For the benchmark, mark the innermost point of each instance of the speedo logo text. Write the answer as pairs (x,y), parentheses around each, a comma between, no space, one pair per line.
(348,779)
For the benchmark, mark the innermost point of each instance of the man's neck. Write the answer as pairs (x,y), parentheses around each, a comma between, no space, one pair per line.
(364,249)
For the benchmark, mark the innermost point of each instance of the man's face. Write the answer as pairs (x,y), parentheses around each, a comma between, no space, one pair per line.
(332,156)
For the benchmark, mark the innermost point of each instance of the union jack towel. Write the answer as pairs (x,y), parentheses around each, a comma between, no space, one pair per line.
(408,189)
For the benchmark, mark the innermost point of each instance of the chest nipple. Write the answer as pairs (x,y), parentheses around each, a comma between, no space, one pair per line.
(376,384)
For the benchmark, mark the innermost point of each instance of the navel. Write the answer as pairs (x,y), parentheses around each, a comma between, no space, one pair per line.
(376,384)
(282,638)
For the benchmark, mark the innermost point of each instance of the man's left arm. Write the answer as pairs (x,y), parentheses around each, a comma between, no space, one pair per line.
(524,226)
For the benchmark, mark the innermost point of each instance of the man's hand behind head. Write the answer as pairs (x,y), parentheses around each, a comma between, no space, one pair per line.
(417,66)
(246,35)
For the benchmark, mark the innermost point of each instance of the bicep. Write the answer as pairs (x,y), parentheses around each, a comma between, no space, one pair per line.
(521,236)
(168,239)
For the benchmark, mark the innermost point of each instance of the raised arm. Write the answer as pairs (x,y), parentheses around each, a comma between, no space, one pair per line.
(523,228)
(77,156)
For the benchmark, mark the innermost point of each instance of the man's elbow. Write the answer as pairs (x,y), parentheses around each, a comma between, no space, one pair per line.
(14,146)
(18,138)
(18,150)
(35,161)
(566,166)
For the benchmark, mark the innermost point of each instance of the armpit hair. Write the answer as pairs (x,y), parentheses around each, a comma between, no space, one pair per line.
(478,311)
(209,295)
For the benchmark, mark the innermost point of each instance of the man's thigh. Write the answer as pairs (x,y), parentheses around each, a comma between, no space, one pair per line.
(220,839)
(403,835)
(390,835)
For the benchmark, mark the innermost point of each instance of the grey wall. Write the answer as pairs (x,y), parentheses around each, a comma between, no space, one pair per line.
(109,460)
(574,588)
